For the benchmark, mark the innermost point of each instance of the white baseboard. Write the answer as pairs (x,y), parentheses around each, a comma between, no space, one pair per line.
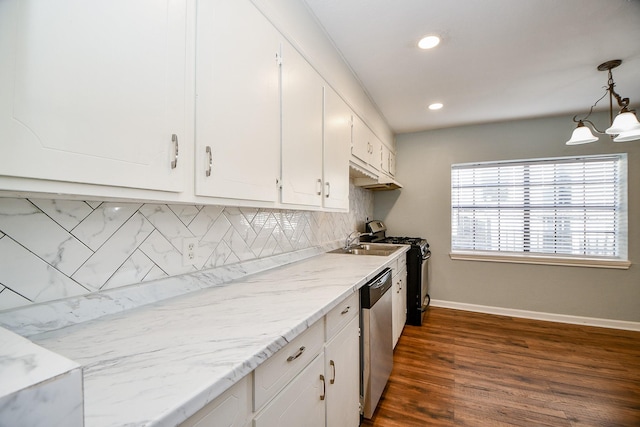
(537,315)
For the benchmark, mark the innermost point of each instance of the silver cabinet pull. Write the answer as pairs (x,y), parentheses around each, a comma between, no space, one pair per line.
(319,187)
(346,310)
(324,387)
(174,140)
(295,356)
(208,151)
(328,184)
(333,365)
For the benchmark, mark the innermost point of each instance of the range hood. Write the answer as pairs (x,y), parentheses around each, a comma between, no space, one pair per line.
(366,179)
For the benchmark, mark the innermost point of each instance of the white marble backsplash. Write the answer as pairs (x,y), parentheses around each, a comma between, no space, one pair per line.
(52,249)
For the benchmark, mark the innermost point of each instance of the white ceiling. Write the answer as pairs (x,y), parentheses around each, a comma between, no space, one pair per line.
(498,59)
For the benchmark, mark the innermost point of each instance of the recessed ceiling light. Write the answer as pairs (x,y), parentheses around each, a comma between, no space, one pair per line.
(435,106)
(429,42)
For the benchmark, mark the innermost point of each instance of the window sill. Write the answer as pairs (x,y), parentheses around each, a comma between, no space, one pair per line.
(542,260)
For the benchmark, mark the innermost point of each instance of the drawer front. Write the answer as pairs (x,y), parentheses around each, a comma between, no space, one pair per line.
(340,316)
(270,377)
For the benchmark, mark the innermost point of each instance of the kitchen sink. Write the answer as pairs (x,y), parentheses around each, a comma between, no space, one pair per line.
(379,249)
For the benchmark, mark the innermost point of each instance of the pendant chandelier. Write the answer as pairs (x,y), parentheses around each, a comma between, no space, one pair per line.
(625,125)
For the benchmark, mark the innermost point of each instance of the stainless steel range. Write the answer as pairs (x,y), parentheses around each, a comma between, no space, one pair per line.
(417,269)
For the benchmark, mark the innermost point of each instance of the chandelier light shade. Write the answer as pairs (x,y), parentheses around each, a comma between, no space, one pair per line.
(624,122)
(632,135)
(581,135)
(625,125)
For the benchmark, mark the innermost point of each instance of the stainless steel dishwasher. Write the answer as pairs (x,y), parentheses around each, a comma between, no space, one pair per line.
(377,340)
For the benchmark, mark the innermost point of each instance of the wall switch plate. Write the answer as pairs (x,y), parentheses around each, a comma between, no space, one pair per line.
(189,250)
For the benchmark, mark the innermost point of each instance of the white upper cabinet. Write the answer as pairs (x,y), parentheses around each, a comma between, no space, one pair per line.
(388,163)
(392,163)
(302,93)
(93,91)
(361,146)
(337,142)
(237,102)
(385,164)
(366,146)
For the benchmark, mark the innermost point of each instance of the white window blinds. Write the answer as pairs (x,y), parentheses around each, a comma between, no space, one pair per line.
(572,207)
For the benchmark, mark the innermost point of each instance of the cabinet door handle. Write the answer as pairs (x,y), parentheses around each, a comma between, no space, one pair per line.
(210,156)
(346,310)
(324,387)
(174,140)
(295,356)
(328,184)
(319,187)
(333,365)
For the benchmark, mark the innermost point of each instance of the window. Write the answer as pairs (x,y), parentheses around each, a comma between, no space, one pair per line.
(562,208)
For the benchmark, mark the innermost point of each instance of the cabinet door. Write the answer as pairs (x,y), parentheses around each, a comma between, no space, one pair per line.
(385,158)
(237,102)
(396,305)
(337,141)
(399,304)
(376,152)
(302,92)
(92,91)
(392,163)
(361,144)
(403,296)
(342,367)
(301,403)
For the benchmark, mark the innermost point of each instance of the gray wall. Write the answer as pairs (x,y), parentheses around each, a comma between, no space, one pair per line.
(422,208)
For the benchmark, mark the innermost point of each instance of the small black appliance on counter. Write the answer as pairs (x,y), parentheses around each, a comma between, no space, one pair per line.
(417,268)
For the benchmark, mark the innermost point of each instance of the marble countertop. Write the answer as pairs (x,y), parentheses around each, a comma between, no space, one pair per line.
(159,363)
(25,364)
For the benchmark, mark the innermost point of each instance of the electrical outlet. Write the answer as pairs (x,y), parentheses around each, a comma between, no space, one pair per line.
(189,250)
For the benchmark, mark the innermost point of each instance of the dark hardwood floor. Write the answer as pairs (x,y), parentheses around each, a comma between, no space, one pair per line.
(469,369)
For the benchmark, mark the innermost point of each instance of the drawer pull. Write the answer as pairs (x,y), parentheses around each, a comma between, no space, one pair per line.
(210,156)
(295,356)
(333,365)
(346,310)
(324,387)
(174,140)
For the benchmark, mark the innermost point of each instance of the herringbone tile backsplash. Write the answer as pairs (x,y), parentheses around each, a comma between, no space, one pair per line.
(52,249)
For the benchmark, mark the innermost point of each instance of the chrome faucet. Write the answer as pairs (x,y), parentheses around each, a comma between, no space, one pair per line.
(351,239)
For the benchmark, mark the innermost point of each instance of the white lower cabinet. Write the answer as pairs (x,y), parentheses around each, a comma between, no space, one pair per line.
(301,403)
(270,377)
(342,367)
(323,392)
(399,299)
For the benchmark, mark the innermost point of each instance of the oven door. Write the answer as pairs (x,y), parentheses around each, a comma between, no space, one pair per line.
(417,284)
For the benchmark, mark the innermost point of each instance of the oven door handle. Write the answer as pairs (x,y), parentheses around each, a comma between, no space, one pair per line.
(425,306)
